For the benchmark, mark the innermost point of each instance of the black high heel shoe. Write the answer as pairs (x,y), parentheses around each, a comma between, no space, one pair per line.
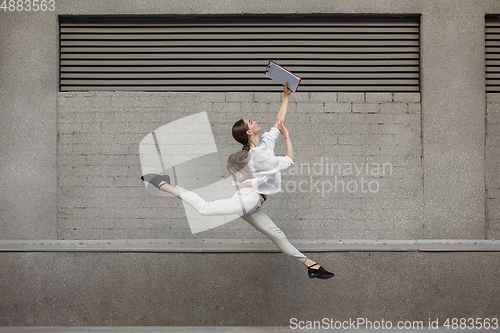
(155,179)
(319,273)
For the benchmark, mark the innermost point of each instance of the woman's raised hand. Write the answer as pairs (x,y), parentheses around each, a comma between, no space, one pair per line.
(283,130)
(286,90)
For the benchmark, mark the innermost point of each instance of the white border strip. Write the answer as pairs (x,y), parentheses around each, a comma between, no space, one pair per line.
(249,245)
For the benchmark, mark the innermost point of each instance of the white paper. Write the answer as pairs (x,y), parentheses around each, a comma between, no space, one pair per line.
(281,75)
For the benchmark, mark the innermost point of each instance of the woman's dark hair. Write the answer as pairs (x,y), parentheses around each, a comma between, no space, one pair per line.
(238,161)
(240,129)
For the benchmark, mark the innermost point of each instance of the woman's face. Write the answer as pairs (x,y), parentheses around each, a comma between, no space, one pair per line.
(252,126)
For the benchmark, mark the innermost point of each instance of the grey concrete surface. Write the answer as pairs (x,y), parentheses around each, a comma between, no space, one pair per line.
(28,131)
(453,125)
(251,289)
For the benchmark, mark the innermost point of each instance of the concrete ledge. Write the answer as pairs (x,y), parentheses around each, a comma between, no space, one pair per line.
(239,245)
(355,245)
(115,245)
(248,245)
(458,245)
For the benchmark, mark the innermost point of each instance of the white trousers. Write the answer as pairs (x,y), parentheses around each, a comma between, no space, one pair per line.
(245,203)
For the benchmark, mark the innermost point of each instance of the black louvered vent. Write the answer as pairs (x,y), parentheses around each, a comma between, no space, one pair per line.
(230,53)
(492,53)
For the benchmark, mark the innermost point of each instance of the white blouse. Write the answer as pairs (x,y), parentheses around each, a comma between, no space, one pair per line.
(265,165)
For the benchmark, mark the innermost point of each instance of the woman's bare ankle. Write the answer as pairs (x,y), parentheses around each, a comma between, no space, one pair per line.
(166,187)
(309,263)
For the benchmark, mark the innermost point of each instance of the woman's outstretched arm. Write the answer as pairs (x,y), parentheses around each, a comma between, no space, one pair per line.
(284,106)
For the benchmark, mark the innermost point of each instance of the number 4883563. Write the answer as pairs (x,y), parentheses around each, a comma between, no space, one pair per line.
(28,5)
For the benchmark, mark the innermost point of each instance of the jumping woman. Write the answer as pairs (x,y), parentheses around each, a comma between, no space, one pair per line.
(256,171)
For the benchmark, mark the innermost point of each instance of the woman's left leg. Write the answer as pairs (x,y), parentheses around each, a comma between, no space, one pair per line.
(237,204)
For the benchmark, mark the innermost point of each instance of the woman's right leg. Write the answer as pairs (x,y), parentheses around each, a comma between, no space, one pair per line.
(263,223)
(260,221)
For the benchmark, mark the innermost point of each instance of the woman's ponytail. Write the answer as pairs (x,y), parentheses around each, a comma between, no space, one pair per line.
(238,161)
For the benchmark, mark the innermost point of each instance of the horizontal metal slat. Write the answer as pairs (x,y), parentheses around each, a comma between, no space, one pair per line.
(241,36)
(238,69)
(166,22)
(492,43)
(243,49)
(232,30)
(492,29)
(219,56)
(237,42)
(492,23)
(198,62)
(493,82)
(231,88)
(211,81)
(228,75)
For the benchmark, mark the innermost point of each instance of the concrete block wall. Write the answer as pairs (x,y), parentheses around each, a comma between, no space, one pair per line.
(493,165)
(358,171)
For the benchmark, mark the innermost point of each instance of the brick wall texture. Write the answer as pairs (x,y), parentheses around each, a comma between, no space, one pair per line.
(493,165)
(358,171)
